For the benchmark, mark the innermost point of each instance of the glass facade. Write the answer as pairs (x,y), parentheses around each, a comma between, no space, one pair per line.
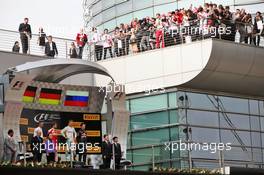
(110,13)
(203,118)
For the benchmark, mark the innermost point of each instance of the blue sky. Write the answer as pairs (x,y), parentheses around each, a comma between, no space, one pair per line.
(60,18)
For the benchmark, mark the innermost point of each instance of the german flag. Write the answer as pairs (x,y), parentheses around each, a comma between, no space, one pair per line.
(29,94)
(49,96)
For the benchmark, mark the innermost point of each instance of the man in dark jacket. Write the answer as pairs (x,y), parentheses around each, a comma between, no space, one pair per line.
(117,152)
(37,147)
(25,35)
(82,141)
(106,151)
(50,48)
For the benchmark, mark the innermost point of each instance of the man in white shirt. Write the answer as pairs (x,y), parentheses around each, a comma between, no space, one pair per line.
(70,135)
(96,39)
(39,128)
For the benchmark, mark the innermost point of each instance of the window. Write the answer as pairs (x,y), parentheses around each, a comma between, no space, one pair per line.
(187,3)
(202,118)
(149,120)
(174,116)
(150,137)
(146,155)
(124,8)
(172,100)
(158,2)
(143,13)
(253,106)
(110,25)
(229,137)
(239,121)
(165,8)
(202,101)
(255,123)
(256,139)
(148,103)
(234,104)
(205,135)
(97,20)
(236,153)
(108,3)
(109,14)
(96,8)
(126,19)
(139,4)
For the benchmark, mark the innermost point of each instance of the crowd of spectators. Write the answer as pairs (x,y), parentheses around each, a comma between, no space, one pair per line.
(176,27)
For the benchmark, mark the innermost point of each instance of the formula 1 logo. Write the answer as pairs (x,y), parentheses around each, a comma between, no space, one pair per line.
(47,118)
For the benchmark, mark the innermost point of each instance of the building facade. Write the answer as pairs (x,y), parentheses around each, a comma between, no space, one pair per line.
(202,117)
(110,13)
(185,114)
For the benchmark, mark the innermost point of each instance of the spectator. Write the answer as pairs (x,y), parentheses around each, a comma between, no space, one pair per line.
(247,20)
(106,152)
(73,51)
(258,28)
(117,41)
(54,137)
(51,48)
(50,149)
(16,47)
(69,134)
(107,43)
(82,141)
(98,46)
(39,128)
(145,35)
(10,147)
(37,147)
(159,32)
(127,32)
(42,38)
(81,40)
(117,152)
(133,41)
(25,35)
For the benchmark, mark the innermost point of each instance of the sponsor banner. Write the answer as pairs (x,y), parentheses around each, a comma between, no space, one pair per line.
(30,130)
(23,121)
(93,127)
(93,133)
(24,138)
(92,117)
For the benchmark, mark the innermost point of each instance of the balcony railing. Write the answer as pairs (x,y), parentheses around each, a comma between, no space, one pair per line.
(122,46)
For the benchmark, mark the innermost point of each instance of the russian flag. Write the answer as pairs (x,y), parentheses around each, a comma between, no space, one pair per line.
(76,98)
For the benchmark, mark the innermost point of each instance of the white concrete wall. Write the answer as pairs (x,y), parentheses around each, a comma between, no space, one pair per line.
(158,68)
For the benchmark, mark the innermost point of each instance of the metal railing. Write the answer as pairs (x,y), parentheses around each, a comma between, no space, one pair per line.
(144,40)
(8,38)
(178,34)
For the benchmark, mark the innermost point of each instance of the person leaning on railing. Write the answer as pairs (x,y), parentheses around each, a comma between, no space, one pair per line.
(258,28)
(81,40)
(51,48)
(16,47)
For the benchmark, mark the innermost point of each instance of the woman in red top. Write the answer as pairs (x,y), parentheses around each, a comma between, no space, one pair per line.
(81,40)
